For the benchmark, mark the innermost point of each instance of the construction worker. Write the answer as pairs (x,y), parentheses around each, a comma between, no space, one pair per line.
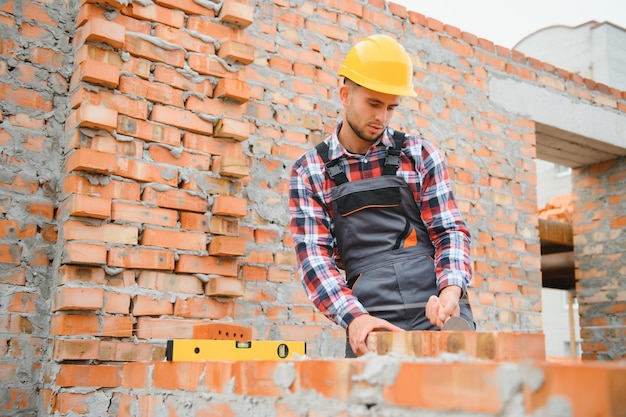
(378,204)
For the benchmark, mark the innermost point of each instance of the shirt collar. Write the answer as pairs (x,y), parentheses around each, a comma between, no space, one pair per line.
(336,149)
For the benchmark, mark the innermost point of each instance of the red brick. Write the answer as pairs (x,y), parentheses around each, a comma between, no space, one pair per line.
(116,303)
(207,65)
(467,387)
(257,378)
(178,375)
(148,131)
(236,13)
(155,13)
(73,273)
(236,51)
(229,206)
(136,375)
(170,282)
(13,230)
(209,106)
(138,213)
(90,161)
(232,89)
(174,199)
(25,97)
(177,80)
(203,308)
(232,129)
(73,325)
(162,155)
(84,253)
(16,276)
(117,326)
(158,93)
(153,328)
(571,382)
(174,239)
(100,30)
(275,274)
(222,226)
(144,305)
(194,221)
(194,264)
(105,99)
(211,145)
(182,119)
(66,402)
(212,29)
(76,349)
(145,49)
(141,258)
(82,205)
(253,273)
(145,172)
(130,351)
(22,302)
(114,189)
(218,377)
(92,52)
(93,117)
(184,39)
(230,166)
(89,375)
(227,246)
(224,287)
(188,6)
(96,72)
(108,232)
(76,298)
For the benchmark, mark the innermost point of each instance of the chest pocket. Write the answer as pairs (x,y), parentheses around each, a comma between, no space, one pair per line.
(387,197)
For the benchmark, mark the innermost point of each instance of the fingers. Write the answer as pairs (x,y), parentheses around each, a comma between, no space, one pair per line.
(361,327)
(432,309)
(438,310)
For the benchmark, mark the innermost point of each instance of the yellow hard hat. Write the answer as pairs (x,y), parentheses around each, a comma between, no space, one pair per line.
(381,64)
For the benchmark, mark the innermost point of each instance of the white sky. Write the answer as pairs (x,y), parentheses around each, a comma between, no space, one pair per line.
(506,22)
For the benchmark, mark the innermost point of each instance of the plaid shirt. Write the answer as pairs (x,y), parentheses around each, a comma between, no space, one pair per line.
(423,169)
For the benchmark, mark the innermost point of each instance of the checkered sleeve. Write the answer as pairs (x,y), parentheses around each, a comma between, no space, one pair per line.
(447,229)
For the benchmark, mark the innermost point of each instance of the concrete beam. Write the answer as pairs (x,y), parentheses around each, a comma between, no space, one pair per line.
(570,132)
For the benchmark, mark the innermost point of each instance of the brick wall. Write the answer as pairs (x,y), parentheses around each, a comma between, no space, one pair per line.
(599,245)
(146,149)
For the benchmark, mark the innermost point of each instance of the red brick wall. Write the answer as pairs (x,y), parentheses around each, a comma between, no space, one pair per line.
(146,152)
(599,245)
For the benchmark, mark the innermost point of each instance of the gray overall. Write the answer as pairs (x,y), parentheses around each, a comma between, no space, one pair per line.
(384,244)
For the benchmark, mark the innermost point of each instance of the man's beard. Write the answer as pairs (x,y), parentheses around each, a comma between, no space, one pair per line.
(359,132)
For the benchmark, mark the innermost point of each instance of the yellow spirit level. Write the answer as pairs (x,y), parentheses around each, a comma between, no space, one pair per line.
(194,350)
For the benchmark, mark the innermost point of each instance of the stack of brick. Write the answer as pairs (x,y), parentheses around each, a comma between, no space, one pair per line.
(559,208)
(151,152)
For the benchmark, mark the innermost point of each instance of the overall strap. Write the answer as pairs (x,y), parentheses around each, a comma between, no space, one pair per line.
(333,168)
(392,158)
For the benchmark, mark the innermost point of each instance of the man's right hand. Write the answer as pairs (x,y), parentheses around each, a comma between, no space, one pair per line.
(360,328)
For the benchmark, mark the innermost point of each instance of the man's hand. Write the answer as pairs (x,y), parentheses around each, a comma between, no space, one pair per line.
(360,328)
(439,309)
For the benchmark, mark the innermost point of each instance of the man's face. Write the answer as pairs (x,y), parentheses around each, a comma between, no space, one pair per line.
(367,112)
